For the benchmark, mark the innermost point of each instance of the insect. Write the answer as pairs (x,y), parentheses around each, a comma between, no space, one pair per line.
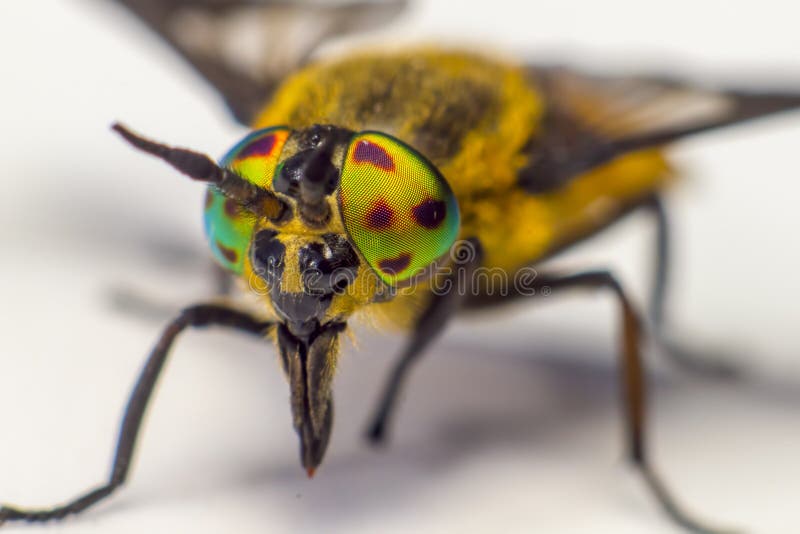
(362,173)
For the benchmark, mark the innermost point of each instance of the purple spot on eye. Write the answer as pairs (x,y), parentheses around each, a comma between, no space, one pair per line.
(209,199)
(430,213)
(367,152)
(393,266)
(228,253)
(231,208)
(259,147)
(380,216)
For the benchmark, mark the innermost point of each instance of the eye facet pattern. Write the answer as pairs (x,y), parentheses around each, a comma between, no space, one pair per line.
(255,157)
(229,227)
(397,208)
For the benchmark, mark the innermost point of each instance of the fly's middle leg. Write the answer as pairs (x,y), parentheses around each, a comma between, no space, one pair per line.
(706,361)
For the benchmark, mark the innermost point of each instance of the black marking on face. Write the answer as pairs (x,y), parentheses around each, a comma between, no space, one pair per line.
(309,175)
(326,269)
(312,161)
(267,256)
(329,267)
(310,164)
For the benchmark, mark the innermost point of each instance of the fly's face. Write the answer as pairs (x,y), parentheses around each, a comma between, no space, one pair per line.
(351,217)
(351,207)
(302,275)
(319,222)
(300,259)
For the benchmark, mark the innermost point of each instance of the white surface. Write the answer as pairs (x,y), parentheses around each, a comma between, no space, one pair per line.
(524,440)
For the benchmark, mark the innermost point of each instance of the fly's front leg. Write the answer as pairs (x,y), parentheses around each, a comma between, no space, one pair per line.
(633,386)
(194,316)
(467,256)
(133,302)
(709,363)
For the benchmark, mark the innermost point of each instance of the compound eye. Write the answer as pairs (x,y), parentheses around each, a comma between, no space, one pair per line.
(229,227)
(399,212)
(255,157)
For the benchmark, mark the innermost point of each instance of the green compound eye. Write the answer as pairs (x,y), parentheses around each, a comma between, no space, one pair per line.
(228,227)
(254,158)
(398,210)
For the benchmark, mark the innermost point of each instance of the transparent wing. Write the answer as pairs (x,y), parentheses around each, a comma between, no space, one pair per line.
(244,48)
(590,120)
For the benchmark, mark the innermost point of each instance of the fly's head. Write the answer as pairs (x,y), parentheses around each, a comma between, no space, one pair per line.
(321,222)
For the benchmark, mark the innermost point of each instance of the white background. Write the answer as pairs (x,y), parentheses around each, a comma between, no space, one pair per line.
(510,424)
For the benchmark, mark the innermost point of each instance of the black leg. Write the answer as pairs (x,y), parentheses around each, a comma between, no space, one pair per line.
(661,259)
(695,359)
(130,301)
(633,387)
(428,327)
(194,316)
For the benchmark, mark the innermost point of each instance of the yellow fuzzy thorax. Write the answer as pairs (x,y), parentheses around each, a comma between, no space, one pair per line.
(472,117)
(427,98)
